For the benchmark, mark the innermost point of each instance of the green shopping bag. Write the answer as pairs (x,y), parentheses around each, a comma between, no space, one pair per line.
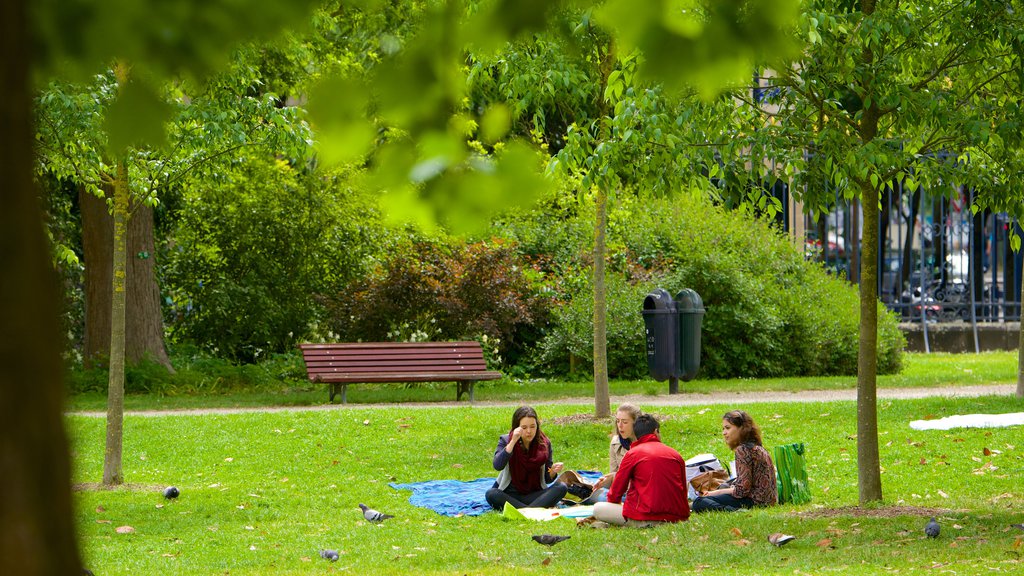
(791,474)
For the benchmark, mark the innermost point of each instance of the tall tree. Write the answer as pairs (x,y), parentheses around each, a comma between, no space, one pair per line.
(37,533)
(891,91)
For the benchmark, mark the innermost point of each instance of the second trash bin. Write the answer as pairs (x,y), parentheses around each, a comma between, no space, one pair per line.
(690,310)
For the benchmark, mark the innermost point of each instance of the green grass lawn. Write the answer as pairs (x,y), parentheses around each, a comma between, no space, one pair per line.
(262,492)
(920,370)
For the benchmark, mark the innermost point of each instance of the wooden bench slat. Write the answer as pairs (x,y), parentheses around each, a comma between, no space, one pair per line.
(384,377)
(346,363)
(385,366)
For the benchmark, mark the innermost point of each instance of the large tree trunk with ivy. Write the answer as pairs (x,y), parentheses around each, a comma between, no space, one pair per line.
(112,473)
(37,535)
(144,329)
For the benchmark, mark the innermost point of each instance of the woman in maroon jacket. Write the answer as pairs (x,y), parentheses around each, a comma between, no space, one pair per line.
(524,462)
(754,484)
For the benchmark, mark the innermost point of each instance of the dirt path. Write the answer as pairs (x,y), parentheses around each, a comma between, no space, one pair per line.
(686,399)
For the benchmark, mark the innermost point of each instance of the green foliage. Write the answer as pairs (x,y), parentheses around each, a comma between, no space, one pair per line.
(432,291)
(573,330)
(196,374)
(769,312)
(253,248)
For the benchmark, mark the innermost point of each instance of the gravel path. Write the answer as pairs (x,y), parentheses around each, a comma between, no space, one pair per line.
(685,399)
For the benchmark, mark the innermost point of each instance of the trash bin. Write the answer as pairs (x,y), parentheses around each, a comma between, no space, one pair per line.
(661,327)
(690,310)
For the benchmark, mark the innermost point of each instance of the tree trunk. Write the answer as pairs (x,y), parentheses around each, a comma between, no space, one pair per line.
(869,476)
(37,530)
(868,466)
(112,474)
(1020,345)
(144,327)
(602,403)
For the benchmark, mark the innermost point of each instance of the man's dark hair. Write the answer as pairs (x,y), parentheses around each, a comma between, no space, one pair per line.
(645,424)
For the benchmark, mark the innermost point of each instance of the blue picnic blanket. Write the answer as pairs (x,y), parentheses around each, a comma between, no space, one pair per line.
(458,497)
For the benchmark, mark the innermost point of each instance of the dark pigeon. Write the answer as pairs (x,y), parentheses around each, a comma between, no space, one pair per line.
(171,492)
(373,515)
(931,529)
(549,539)
(331,555)
(1019,526)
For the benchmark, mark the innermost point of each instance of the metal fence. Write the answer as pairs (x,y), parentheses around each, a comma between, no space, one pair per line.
(937,261)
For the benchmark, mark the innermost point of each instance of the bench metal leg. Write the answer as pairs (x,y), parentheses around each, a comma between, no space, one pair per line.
(334,392)
(463,387)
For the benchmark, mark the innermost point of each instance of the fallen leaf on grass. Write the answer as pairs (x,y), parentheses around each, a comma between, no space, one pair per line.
(824,543)
(737,532)
(546,561)
(988,467)
(103,521)
(741,542)
(100,509)
(1017,542)
(124,529)
(943,494)
(986,451)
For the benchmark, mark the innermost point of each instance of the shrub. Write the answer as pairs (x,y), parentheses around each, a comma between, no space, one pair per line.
(435,291)
(769,312)
(254,248)
(572,332)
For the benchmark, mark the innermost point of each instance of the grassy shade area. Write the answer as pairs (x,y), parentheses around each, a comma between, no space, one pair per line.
(261,493)
(919,370)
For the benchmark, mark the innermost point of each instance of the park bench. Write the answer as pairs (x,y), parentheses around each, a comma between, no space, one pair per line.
(378,362)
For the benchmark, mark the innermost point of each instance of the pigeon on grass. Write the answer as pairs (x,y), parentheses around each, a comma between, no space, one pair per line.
(549,539)
(780,539)
(331,555)
(1018,526)
(373,515)
(931,529)
(171,492)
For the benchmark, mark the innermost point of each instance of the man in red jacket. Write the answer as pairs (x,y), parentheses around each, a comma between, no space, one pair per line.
(655,475)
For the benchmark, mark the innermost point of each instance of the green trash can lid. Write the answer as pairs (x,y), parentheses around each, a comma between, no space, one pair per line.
(688,300)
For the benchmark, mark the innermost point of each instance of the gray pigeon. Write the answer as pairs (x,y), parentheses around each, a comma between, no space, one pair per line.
(931,529)
(1020,526)
(331,555)
(171,492)
(373,515)
(549,539)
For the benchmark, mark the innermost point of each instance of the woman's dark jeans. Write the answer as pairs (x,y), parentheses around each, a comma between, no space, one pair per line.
(546,498)
(720,503)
